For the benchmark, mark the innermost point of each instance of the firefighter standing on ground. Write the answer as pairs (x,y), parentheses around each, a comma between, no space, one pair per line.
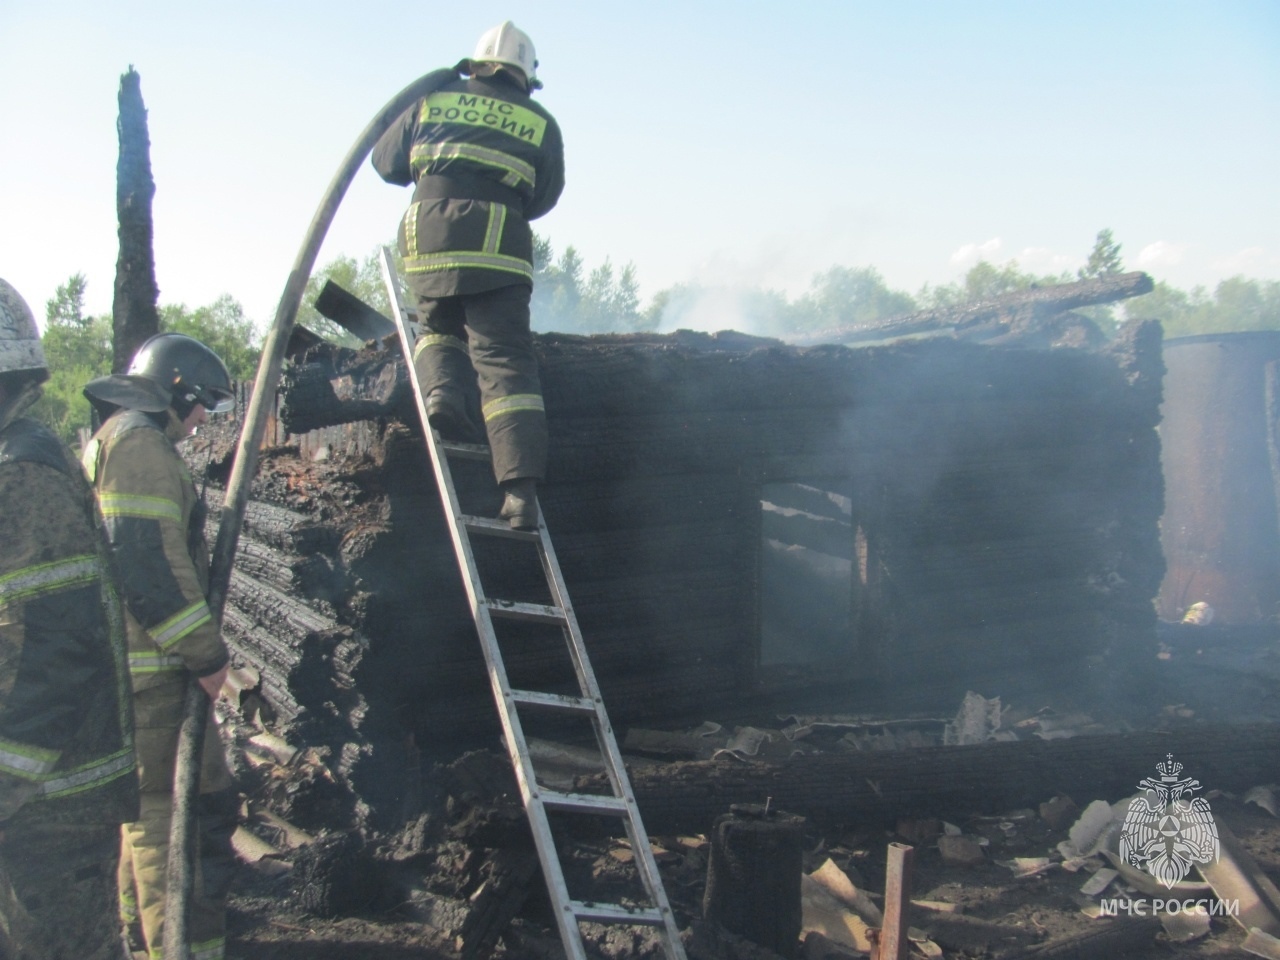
(155,524)
(486,159)
(67,772)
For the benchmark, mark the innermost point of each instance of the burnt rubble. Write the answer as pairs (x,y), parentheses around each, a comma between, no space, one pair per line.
(995,516)
(747,529)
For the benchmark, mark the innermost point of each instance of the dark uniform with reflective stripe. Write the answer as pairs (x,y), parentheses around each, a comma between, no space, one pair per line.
(486,159)
(155,525)
(67,770)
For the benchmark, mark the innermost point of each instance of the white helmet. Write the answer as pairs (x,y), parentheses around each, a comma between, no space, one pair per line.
(19,339)
(508,44)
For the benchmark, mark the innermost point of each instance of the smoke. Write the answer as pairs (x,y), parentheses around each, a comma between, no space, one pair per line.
(712,309)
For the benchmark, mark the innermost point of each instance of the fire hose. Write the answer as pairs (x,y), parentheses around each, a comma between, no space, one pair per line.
(181,866)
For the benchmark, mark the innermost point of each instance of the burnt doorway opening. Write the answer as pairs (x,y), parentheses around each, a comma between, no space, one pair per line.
(813,577)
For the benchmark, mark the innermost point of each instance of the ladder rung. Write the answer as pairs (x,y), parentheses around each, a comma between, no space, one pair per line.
(465,451)
(616,913)
(584,803)
(497,528)
(536,612)
(554,701)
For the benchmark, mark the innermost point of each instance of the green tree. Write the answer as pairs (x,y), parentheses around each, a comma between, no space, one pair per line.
(985,281)
(557,287)
(77,349)
(1104,258)
(847,296)
(223,327)
(607,301)
(1237,304)
(360,277)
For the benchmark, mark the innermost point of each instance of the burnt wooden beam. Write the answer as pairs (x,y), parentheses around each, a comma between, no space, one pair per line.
(984,779)
(353,314)
(1035,304)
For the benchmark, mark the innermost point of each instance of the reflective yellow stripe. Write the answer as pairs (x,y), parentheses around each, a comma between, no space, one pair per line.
(25,761)
(47,577)
(511,404)
(90,775)
(411,229)
(130,505)
(516,170)
(180,624)
(474,111)
(439,340)
(456,260)
(140,663)
(497,223)
(89,459)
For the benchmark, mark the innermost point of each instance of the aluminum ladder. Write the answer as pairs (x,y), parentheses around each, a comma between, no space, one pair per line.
(538,800)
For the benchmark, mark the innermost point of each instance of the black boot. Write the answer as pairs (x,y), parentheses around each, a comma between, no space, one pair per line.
(447,414)
(520,504)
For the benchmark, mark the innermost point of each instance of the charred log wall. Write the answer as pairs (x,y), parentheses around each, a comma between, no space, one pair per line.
(1007,501)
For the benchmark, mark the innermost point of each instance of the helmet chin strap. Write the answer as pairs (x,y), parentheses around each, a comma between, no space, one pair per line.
(14,405)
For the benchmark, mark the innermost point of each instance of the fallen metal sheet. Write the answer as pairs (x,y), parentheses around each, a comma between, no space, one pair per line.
(1089,834)
(557,765)
(745,743)
(1185,926)
(826,915)
(257,853)
(1100,880)
(976,722)
(837,883)
(1236,876)
(1146,883)
(276,748)
(1024,867)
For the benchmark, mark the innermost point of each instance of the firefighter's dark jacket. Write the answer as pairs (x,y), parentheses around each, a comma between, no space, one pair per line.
(155,525)
(66,726)
(486,159)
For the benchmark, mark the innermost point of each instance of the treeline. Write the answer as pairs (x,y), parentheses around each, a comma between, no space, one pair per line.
(568,297)
(78,348)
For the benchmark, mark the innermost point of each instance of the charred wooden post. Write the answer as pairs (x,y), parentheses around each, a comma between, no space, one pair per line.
(753,876)
(991,318)
(133,309)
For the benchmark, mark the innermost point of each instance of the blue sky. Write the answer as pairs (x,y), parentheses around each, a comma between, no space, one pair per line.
(724,143)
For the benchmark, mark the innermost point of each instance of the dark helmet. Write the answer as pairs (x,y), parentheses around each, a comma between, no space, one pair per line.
(187,368)
(169,370)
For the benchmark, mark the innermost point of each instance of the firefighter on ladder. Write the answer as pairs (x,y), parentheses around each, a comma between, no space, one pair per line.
(486,159)
(68,776)
(155,525)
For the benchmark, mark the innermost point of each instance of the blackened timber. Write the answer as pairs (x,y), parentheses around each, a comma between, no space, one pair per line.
(1034,303)
(133,307)
(984,778)
(332,385)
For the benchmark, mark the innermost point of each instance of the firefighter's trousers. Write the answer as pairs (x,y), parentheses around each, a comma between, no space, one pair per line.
(484,339)
(144,844)
(58,891)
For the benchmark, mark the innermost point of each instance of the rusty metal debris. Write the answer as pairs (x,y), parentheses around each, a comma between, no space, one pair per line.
(892,944)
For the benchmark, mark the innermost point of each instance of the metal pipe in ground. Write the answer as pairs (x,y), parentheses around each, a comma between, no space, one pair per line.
(893,944)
